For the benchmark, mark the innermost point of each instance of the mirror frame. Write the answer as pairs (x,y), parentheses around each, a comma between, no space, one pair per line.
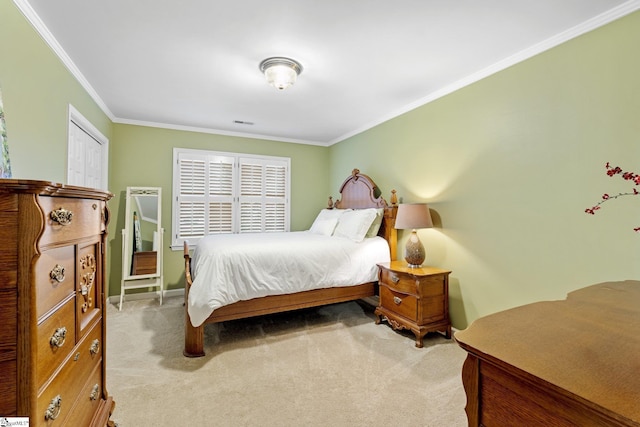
(131,206)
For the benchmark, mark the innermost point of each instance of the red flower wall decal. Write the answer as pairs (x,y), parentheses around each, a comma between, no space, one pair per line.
(627,176)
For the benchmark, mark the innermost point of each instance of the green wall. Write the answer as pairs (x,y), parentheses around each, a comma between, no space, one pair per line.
(37,89)
(142,157)
(508,166)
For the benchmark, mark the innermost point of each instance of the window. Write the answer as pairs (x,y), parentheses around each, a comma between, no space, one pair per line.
(217,192)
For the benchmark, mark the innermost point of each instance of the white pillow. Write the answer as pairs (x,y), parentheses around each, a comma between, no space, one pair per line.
(324,226)
(325,214)
(375,225)
(355,224)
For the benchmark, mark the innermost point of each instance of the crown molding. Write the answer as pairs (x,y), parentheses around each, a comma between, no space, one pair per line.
(41,28)
(217,132)
(583,28)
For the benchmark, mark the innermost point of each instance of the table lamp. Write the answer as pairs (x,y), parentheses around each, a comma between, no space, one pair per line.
(413,216)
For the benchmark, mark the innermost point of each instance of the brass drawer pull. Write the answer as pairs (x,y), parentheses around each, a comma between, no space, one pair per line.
(95,347)
(57,273)
(395,279)
(61,216)
(53,410)
(95,392)
(58,337)
(397,300)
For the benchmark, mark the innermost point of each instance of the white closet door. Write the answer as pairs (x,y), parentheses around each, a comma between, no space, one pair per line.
(85,158)
(93,169)
(76,164)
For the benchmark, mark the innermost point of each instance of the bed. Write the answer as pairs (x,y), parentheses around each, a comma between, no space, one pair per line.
(205,303)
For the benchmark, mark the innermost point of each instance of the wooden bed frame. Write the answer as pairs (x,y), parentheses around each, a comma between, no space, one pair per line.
(357,192)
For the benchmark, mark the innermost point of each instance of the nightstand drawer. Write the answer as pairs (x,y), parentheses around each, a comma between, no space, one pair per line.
(399,281)
(432,286)
(431,310)
(400,303)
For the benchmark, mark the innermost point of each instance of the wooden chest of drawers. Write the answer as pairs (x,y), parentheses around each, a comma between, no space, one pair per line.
(416,299)
(52,297)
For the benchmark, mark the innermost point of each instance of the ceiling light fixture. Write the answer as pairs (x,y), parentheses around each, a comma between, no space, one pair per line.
(280,72)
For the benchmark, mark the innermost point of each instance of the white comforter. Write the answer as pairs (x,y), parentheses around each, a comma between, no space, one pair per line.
(231,267)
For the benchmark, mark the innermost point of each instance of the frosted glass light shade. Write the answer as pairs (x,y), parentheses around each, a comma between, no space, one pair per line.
(280,72)
(280,76)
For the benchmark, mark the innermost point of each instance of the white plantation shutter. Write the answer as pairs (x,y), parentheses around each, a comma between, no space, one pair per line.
(275,197)
(220,204)
(191,220)
(228,193)
(262,195)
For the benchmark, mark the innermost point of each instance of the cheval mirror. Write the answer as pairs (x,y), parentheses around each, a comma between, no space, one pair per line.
(142,241)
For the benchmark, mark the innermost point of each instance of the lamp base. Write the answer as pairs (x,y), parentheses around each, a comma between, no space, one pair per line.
(414,253)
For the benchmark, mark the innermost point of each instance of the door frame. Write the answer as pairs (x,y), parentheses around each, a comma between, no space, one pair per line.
(81,121)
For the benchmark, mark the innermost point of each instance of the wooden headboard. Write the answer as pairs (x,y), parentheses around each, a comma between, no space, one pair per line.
(359,191)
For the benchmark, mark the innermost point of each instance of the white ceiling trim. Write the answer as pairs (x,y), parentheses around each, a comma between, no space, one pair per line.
(598,21)
(216,132)
(590,25)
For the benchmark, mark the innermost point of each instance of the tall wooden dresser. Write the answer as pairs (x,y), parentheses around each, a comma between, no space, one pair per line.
(52,299)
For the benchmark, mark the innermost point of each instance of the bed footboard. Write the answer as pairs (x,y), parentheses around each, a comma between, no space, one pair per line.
(193,337)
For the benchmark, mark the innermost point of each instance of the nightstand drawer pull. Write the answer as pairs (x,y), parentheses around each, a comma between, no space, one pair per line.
(61,216)
(53,410)
(397,300)
(394,278)
(58,337)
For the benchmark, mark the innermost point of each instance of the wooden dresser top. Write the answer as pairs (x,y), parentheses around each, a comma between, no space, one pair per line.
(587,345)
(48,188)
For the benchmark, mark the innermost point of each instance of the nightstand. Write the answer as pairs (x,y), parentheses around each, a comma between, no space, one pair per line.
(414,298)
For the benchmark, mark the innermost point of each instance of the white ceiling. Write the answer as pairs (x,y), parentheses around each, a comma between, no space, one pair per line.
(193,64)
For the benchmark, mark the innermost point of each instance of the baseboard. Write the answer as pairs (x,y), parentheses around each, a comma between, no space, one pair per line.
(115,299)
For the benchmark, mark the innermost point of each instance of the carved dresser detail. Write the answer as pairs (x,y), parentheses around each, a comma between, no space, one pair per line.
(52,299)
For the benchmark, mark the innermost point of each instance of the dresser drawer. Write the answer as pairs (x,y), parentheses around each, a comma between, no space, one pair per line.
(56,339)
(405,305)
(77,218)
(8,325)
(60,396)
(8,388)
(88,400)
(399,281)
(55,277)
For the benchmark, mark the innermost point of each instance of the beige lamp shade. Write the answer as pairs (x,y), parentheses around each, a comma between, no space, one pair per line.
(413,216)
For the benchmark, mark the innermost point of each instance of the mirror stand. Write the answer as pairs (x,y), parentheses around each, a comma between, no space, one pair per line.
(142,241)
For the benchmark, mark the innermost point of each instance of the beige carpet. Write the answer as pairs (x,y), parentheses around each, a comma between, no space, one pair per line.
(329,366)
